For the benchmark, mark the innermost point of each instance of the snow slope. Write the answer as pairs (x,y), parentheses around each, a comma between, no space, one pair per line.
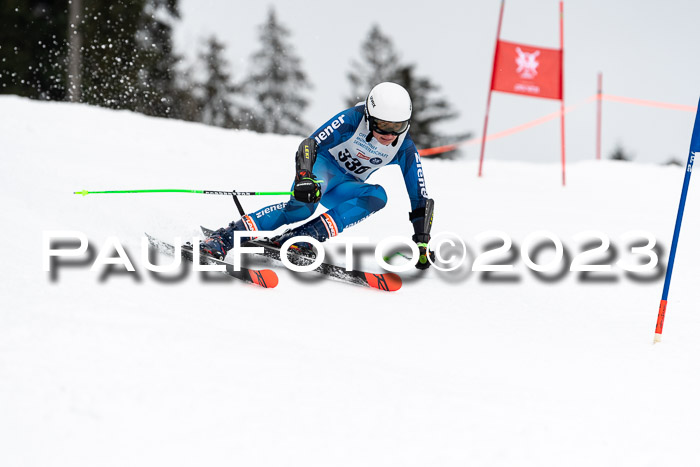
(114,369)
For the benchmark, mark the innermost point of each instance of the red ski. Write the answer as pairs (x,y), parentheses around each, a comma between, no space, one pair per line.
(263,277)
(387,281)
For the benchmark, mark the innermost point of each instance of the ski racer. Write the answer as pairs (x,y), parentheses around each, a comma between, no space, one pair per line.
(332,168)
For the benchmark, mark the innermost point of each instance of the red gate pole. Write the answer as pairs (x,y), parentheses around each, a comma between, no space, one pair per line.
(488,101)
(561,42)
(600,115)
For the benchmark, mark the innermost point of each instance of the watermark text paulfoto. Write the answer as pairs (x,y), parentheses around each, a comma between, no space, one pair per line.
(635,252)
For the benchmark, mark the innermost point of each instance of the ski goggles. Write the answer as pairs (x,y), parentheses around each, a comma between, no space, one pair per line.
(388,128)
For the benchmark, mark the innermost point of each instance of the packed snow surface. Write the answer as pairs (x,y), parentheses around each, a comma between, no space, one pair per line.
(462,368)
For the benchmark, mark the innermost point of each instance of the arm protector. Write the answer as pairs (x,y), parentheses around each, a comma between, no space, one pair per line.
(306,156)
(422,220)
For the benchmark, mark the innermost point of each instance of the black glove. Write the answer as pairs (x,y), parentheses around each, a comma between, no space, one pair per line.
(422,242)
(306,188)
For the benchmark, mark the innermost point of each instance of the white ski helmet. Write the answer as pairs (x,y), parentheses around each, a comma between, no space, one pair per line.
(388,102)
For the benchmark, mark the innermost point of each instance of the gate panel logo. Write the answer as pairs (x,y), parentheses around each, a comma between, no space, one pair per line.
(527,63)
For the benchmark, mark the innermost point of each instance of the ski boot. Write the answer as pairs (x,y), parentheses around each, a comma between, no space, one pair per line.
(214,246)
(321,228)
(220,242)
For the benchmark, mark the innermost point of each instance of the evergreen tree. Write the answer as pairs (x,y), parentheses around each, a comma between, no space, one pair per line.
(275,82)
(110,58)
(218,93)
(620,154)
(428,110)
(33,48)
(126,58)
(379,62)
(158,63)
(188,105)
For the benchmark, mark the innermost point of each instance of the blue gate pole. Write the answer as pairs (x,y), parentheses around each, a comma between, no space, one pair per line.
(694,149)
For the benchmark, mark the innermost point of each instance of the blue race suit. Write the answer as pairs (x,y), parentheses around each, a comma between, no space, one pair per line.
(344,161)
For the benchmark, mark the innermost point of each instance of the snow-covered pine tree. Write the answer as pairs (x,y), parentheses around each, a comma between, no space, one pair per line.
(217,92)
(109,55)
(379,61)
(429,109)
(125,60)
(276,81)
(157,61)
(33,49)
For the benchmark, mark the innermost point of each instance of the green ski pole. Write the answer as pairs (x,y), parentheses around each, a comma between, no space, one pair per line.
(205,192)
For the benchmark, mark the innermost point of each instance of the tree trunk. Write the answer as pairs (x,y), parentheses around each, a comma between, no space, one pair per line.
(75,43)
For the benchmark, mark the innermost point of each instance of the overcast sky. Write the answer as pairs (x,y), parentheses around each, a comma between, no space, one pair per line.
(645,49)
